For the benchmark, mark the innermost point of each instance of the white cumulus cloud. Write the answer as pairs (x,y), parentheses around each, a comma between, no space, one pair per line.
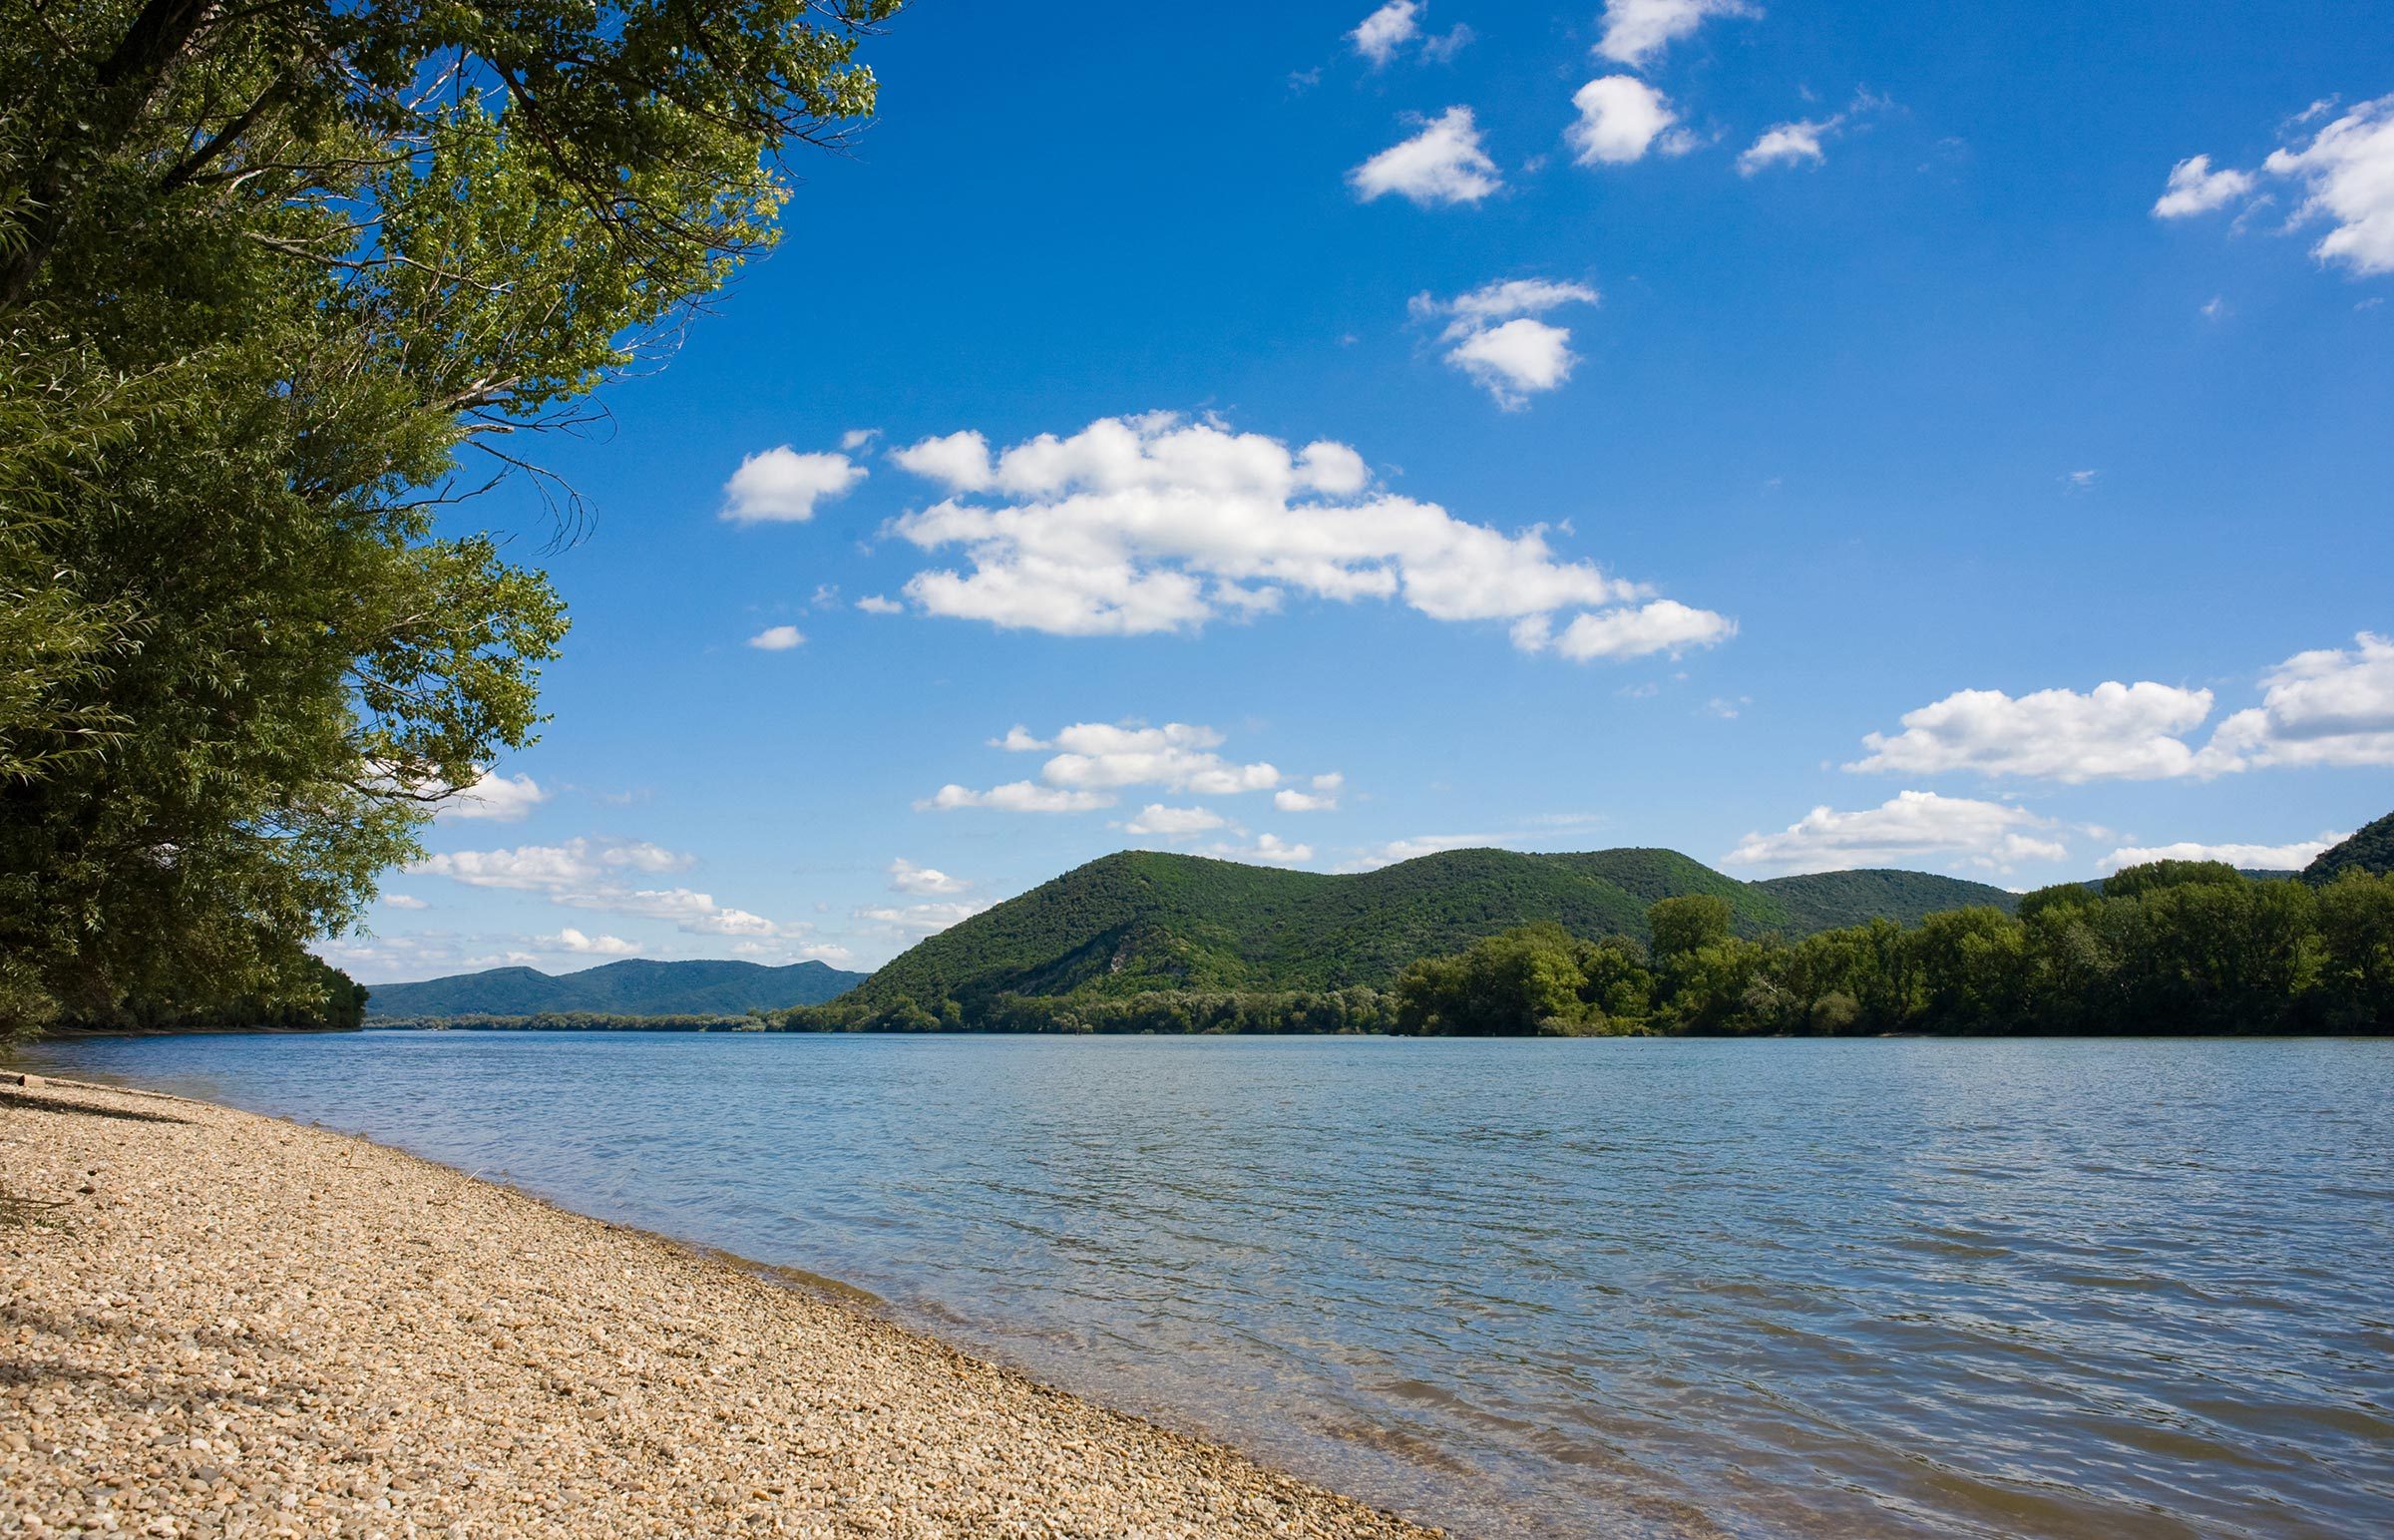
(404,901)
(1152,523)
(1268,848)
(1913,826)
(961,460)
(878,604)
(1660,626)
(2249,858)
(571,939)
(2347,171)
(783,485)
(2112,732)
(1173,822)
(1444,164)
(502,799)
(777,639)
(918,919)
(1091,761)
(1785,144)
(1620,119)
(2332,706)
(1015,797)
(1637,29)
(1387,30)
(906,876)
(582,874)
(2196,189)
(1517,358)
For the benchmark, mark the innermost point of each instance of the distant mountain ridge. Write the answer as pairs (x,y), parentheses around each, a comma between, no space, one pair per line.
(2370,849)
(1147,920)
(636,987)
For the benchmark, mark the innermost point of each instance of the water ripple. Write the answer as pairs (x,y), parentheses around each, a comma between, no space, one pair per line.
(1649,1288)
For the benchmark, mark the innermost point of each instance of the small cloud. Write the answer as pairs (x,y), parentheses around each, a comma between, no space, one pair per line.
(1621,117)
(1726,708)
(2249,858)
(1290,800)
(777,639)
(1444,164)
(1499,343)
(1384,31)
(403,901)
(500,798)
(919,919)
(857,439)
(1785,144)
(2079,481)
(878,604)
(1173,822)
(2215,309)
(2194,188)
(571,939)
(1268,848)
(781,486)
(1442,49)
(906,876)
(1634,30)
(1015,797)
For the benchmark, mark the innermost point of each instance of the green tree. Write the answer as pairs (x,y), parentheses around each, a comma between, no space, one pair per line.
(1680,926)
(2355,914)
(279,287)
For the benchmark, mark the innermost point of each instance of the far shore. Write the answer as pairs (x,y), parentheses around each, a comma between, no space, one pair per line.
(222,1324)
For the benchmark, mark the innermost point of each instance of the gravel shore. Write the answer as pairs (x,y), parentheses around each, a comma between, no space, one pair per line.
(219,1323)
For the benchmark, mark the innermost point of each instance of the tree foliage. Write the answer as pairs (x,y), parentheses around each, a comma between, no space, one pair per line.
(279,287)
(2176,947)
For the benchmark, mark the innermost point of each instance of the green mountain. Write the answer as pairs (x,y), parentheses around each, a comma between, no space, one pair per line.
(2370,850)
(1823,901)
(633,987)
(1143,920)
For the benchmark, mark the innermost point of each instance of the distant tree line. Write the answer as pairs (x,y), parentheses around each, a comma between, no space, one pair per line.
(1359,1009)
(572,1021)
(2172,948)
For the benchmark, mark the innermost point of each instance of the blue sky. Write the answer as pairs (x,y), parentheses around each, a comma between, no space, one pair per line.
(1560,428)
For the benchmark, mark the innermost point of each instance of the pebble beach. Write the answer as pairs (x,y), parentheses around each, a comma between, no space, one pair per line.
(220,1323)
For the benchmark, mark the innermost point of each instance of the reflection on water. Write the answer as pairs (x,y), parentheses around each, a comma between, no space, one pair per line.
(2063,1289)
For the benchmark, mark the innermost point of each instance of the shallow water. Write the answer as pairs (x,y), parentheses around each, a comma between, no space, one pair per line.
(1906,1288)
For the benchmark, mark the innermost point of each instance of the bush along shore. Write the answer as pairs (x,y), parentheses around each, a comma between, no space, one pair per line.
(2172,948)
(218,1323)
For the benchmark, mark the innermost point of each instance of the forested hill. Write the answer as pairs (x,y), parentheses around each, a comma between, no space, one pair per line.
(2370,850)
(633,987)
(1143,920)
(1825,901)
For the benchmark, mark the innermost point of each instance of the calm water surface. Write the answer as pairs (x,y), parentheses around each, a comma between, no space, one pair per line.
(1909,1287)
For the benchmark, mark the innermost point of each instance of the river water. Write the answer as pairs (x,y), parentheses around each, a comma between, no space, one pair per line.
(2092,1288)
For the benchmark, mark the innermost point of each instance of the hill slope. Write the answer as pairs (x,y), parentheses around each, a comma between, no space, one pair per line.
(1143,920)
(632,987)
(2369,849)
(1822,901)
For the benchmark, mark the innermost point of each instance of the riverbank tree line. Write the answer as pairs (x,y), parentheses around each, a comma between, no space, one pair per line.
(2170,947)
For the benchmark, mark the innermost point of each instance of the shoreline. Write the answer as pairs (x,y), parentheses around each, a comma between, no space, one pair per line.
(220,1323)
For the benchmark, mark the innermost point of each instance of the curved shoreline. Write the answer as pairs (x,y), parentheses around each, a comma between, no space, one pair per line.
(220,1323)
